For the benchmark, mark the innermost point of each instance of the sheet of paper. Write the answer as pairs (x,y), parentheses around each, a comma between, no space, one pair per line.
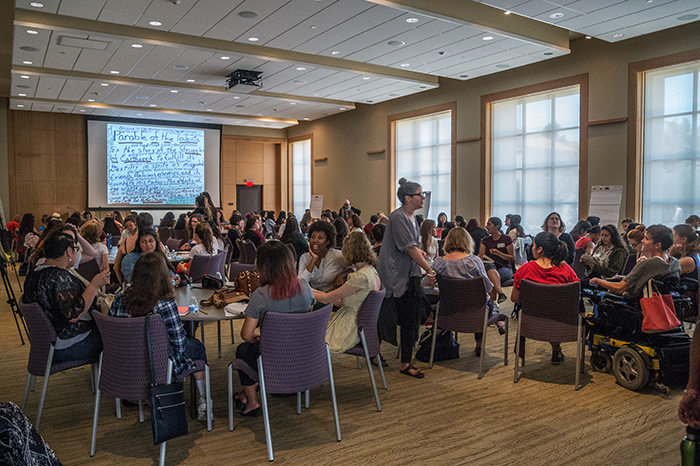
(236,309)
(316,206)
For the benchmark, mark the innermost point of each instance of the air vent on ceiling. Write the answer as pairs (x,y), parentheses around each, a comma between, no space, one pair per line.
(81,43)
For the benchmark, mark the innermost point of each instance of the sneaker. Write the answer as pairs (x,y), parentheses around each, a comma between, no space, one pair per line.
(202,409)
(501,297)
(557,357)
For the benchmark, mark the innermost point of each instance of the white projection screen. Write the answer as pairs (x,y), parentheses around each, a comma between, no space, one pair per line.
(142,164)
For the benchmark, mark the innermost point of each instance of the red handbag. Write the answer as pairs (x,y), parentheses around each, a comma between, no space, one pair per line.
(658,310)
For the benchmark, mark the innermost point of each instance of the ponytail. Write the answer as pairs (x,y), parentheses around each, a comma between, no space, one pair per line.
(553,249)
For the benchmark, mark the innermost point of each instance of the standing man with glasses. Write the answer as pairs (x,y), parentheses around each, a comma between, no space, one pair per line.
(399,267)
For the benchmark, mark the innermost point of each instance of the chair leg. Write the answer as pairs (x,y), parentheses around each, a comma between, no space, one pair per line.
(359,362)
(517,352)
(381,370)
(119,407)
(307,399)
(207,388)
(505,344)
(578,354)
(231,323)
(298,402)
(483,342)
(435,330)
(31,389)
(201,326)
(363,339)
(218,333)
(97,408)
(45,386)
(335,402)
(266,414)
(26,393)
(230,397)
(168,379)
(141,411)
(92,378)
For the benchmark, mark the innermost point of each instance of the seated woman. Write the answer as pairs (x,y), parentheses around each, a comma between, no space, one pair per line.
(84,253)
(92,232)
(460,263)
(476,232)
(378,236)
(168,220)
(110,226)
(253,227)
(192,223)
(341,230)
(441,223)
(583,241)
(235,232)
(280,291)
(658,239)
(151,292)
(147,243)
(292,236)
(634,238)
(322,264)
(686,246)
(428,242)
(204,246)
(548,267)
(609,255)
(130,227)
(66,300)
(498,254)
(342,333)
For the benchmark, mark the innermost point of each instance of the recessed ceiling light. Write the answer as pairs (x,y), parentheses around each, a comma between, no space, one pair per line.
(155,23)
(20,105)
(22,95)
(405,65)
(27,62)
(412,20)
(396,43)
(588,37)
(36,5)
(236,97)
(181,67)
(137,46)
(82,110)
(190,80)
(618,35)
(174,91)
(316,95)
(335,52)
(312,27)
(549,53)
(253,39)
(306,119)
(27,48)
(366,78)
(225,58)
(152,105)
(91,100)
(487,38)
(139,114)
(687,17)
(556,15)
(506,12)
(114,72)
(248,14)
(292,103)
(342,108)
(24,76)
(208,110)
(141,97)
(32,31)
(299,81)
(301,68)
(104,84)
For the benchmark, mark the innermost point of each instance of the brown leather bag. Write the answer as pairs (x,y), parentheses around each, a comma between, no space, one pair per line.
(245,283)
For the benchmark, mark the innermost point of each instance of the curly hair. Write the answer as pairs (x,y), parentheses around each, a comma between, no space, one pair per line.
(327,228)
(356,248)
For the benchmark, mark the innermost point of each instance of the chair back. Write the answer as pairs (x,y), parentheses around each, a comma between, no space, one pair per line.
(276,232)
(248,252)
(293,350)
(174,243)
(88,269)
(367,318)
(462,305)
(180,234)
(578,266)
(42,336)
(242,259)
(126,369)
(549,312)
(629,264)
(235,268)
(291,248)
(205,264)
(218,264)
(164,234)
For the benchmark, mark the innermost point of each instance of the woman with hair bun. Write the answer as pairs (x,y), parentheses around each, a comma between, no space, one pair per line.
(634,239)
(686,246)
(548,267)
(400,264)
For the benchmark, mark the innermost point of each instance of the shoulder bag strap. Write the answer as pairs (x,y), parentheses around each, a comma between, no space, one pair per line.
(150,350)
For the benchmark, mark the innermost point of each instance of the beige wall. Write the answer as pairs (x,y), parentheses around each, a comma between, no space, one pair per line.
(346,138)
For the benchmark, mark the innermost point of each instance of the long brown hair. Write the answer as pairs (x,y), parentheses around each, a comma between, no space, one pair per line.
(277,268)
(203,231)
(425,235)
(150,283)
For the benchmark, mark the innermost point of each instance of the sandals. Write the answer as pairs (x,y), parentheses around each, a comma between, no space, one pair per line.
(240,405)
(374,361)
(257,412)
(416,374)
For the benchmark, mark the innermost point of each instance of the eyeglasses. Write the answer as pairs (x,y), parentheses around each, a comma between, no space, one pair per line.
(418,194)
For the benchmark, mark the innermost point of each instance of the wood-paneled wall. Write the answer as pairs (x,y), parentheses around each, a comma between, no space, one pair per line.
(47,162)
(246,158)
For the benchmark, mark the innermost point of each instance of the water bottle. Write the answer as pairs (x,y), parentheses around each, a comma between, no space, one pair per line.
(194,306)
(688,446)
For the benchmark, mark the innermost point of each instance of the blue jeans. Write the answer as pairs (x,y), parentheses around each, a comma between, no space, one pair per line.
(87,349)
(194,349)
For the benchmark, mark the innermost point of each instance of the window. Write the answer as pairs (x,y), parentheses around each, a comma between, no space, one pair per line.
(301,176)
(535,141)
(671,144)
(423,148)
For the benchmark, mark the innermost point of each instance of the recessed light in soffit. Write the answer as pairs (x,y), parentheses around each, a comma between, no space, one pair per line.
(248,14)
(27,48)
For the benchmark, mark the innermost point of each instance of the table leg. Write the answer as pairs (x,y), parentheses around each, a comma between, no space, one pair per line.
(218,331)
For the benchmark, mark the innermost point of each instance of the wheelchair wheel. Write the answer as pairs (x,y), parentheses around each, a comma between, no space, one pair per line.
(601,361)
(629,369)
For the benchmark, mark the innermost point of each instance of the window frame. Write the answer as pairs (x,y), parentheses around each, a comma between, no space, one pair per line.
(290,166)
(487,102)
(635,127)
(391,162)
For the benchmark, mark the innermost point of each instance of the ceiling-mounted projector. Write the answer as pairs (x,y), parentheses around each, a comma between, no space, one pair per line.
(244,80)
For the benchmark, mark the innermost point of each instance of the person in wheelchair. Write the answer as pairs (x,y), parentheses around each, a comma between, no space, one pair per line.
(657,241)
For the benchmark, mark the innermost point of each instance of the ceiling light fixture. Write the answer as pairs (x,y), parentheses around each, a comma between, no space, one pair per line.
(152,105)
(313,27)
(301,68)
(104,84)
(139,114)
(155,23)
(36,5)
(22,95)
(463,75)
(299,81)
(618,35)
(208,110)
(190,80)
(253,39)
(366,78)
(181,67)
(32,31)
(412,20)
(236,97)
(91,100)
(27,62)
(306,119)
(248,14)
(506,12)
(588,37)
(137,46)
(487,38)
(335,52)
(396,43)
(292,103)
(27,48)
(556,15)
(405,65)
(20,105)
(24,76)
(82,110)
(114,72)
(174,91)
(687,17)
(225,58)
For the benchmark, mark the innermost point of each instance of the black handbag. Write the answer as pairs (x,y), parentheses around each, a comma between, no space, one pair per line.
(167,402)
(210,282)
(446,347)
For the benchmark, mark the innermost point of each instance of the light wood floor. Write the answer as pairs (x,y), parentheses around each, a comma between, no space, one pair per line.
(448,418)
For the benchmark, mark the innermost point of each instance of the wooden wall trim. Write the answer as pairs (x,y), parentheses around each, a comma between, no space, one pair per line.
(391,159)
(607,122)
(486,130)
(635,128)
